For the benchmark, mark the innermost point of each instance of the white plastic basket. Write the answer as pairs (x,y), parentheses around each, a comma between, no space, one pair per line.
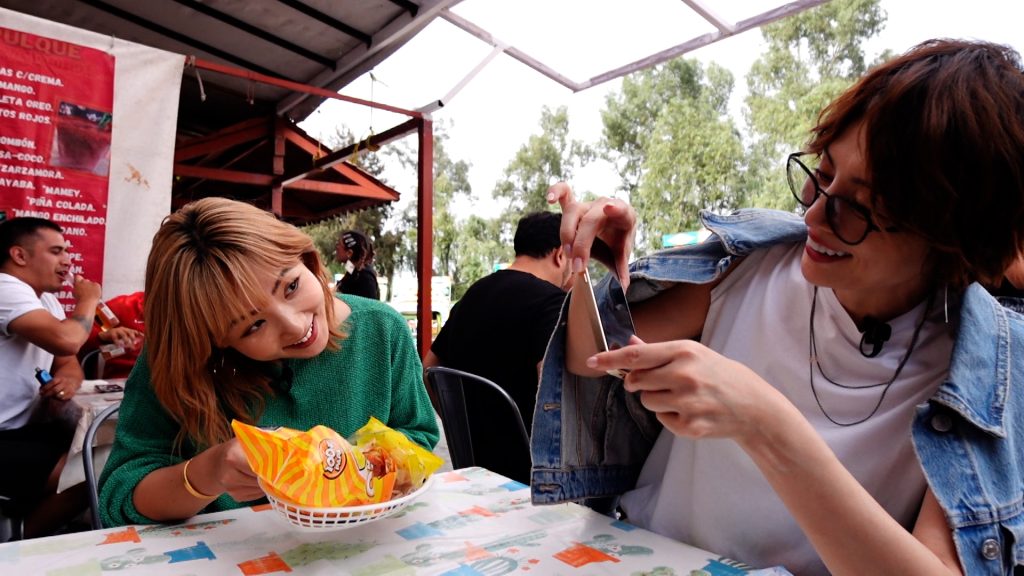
(308,517)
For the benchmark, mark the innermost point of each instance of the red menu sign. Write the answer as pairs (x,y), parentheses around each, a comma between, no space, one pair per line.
(56,114)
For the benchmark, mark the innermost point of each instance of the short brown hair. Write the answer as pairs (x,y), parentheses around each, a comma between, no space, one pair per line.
(944,133)
(16,231)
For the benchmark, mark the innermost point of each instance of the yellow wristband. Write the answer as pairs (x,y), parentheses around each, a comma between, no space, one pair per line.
(188,485)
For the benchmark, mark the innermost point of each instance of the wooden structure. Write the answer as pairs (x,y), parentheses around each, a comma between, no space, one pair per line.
(257,161)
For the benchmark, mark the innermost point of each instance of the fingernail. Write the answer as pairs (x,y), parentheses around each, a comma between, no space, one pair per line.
(592,362)
(551,197)
(567,248)
(577,265)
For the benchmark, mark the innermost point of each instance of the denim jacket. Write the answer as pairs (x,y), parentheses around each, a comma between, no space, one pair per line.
(590,437)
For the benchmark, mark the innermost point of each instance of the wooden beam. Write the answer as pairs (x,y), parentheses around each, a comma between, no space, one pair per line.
(305,142)
(312,146)
(407,127)
(340,189)
(277,191)
(222,142)
(280,129)
(425,237)
(297,211)
(243,125)
(222,175)
(230,162)
(254,179)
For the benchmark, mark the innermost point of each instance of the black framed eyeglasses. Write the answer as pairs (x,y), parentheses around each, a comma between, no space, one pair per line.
(850,222)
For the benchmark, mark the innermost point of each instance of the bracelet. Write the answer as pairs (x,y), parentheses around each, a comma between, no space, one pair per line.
(188,485)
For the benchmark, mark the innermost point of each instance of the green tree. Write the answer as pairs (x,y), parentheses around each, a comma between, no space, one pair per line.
(811,58)
(479,250)
(544,159)
(668,133)
(451,181)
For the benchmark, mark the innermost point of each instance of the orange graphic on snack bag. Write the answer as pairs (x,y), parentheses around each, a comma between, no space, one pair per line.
(294,467)
(333,458)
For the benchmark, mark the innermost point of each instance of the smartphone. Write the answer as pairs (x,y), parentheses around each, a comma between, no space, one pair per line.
(611,325)
(107,388)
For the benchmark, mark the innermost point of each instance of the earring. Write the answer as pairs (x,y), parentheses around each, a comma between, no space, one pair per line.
(216,367)
(945,302)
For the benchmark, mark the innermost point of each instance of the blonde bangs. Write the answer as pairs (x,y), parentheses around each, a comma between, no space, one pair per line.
(239,294)
(238,268)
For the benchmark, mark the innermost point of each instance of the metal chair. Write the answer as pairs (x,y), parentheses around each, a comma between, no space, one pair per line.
(89,463)
(449,386)
(92,365)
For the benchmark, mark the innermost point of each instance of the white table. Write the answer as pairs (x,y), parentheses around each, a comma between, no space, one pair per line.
(84,406)
(470,522)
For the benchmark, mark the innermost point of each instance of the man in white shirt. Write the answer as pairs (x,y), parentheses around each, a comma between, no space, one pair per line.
(35,336)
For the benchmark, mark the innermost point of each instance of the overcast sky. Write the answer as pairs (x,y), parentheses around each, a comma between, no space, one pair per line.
(497,111)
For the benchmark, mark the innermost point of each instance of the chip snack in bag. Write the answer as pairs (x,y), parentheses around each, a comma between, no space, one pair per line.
(319,468)
(414,464)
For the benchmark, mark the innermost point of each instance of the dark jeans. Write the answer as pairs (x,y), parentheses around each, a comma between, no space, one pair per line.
(29,454)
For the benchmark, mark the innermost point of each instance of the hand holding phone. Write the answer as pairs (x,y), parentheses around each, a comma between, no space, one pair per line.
(616,313)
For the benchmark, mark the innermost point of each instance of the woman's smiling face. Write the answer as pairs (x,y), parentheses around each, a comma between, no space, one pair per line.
(883,276)
(291,324)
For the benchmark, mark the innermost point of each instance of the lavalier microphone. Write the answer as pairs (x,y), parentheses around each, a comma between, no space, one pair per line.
(873,336)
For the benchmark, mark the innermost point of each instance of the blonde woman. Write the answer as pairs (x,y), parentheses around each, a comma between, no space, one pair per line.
(241,324)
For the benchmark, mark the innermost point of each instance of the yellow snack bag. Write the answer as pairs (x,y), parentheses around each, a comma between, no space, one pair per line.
(414,464)
(316,468)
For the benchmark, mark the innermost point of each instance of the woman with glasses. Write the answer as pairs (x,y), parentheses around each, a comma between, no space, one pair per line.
(833,394)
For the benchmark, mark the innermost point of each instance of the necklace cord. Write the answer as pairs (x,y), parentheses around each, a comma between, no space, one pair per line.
(813,351)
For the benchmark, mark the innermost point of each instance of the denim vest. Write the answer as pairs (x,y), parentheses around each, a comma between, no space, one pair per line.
(590,437)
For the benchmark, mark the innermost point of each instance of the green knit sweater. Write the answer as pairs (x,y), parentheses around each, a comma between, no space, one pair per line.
(375,373)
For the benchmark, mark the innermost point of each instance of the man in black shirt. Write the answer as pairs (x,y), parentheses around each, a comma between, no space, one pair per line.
(500,329)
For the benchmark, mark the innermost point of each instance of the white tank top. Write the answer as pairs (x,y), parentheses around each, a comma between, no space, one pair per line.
(710,494)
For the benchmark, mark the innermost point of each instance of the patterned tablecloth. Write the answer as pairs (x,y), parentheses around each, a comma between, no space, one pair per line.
(470,522)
